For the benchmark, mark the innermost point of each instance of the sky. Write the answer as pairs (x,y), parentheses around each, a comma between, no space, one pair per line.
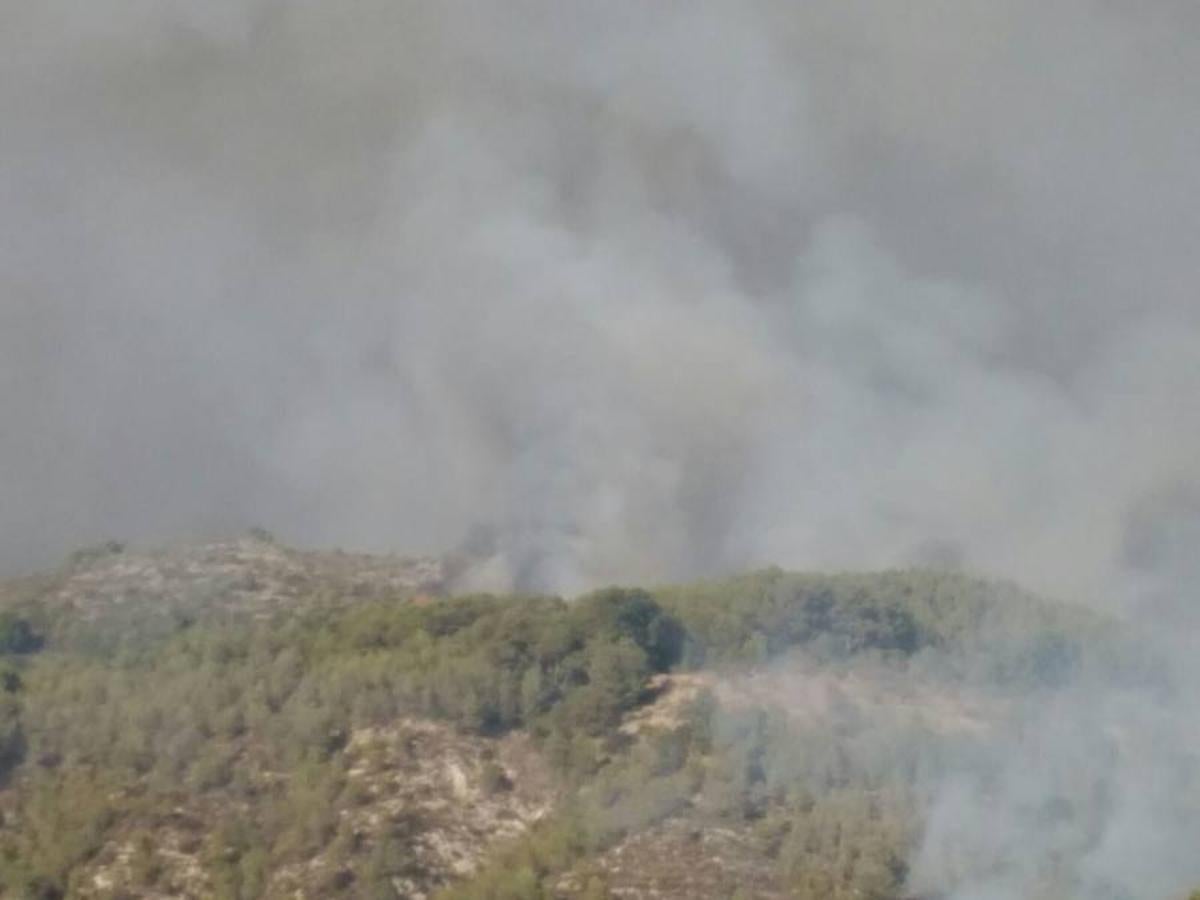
(608,292)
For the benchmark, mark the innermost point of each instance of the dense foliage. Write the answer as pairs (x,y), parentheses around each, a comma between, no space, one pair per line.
(255,713)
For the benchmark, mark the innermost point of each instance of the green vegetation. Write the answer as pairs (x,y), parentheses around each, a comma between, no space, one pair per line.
(17,635)
(248,720)
(996,630)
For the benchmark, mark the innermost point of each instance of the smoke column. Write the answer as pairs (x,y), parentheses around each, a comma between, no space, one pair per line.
(635,292)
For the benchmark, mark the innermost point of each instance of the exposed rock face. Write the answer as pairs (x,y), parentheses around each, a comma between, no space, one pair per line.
(446,798)
(440,799)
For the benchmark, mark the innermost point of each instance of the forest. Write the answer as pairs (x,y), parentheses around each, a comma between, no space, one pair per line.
(250,723)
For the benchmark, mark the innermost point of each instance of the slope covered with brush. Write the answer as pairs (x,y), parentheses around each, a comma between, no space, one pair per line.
(242,720)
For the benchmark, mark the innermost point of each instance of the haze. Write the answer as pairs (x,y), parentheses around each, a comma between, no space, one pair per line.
(616,291)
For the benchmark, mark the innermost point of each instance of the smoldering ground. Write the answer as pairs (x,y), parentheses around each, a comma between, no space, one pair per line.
(638,291)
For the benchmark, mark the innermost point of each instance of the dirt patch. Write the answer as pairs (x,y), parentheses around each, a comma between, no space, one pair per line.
(680,860)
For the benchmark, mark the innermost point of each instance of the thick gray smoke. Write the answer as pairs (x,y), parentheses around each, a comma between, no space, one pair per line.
(631,290)
(618,291)
(1091,795)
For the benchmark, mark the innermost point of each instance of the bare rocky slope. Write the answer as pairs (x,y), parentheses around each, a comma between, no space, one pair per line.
(251,574)
(438,799)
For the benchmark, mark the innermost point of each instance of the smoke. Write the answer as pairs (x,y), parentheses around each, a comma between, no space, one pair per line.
(1092,795)
(638,292)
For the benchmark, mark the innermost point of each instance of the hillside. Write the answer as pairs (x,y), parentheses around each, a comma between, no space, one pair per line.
(240,720)
(113,591)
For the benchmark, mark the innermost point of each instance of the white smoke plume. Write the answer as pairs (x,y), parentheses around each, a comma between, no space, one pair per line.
(640,291)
